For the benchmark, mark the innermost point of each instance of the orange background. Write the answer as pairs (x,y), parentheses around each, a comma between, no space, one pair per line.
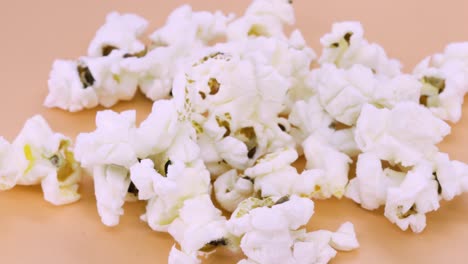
(34,33)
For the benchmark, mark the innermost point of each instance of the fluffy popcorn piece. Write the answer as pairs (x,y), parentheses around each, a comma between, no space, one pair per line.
(262,18)
(288,61)
(166,132)
(179,257)
(345,238)
(370,186)
(266,232)
(166,194)
(231,189)
(270,233)
(108,153)
(111,184)
(200,226)
(120,32)
(66,89)
(199,27)
(75,85)
(9,171)
(343,92)
(444,81)
(333,163)
(451,176)
(235,112)
(407,133)
(407,204)
(320,246)
(273,175)
(40,156)
(110,143)
(172,51)
(345,46)
(309,118)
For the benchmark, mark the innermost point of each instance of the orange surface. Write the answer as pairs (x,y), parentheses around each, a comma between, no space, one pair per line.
(36,32)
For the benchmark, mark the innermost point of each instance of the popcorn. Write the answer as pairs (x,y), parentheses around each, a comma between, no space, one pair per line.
(9,172)
(167,192)
(120,32)
(178,257)
(343,92)
(417,194)
(333,164)
(271,232)
(262,18)
(405,134)
(75,85)
(99,78)
(40,156)
(370,186)
(172,50)
(200,226)
(273,175)
(231,189)
(345,47)
(232,111)
(444,81)
(239,115)
(108,152)
(407,193)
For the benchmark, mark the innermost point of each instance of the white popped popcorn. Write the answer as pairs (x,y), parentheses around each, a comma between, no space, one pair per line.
(345,47)
(271,232)
(99,78)
(405,134)
(407,204)
(76,85)
(333,164)
(120,32)
(343,92)
(109,154)
(408,193)
(263,18)
(444,81)
(40,156)
(231,189)
(167,190)
(172,50)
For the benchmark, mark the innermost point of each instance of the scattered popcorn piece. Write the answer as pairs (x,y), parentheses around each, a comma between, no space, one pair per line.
(262,18)
(407,133)
(231,189)
(343,92)
(333,163)
(407,204)
(120,32)
(168,189)
(9,170)
(172,50)
(109,154)
(345,46)
(178,257)
(68,87)
(344,238)
(75,85)
(40,156)
(273,175)
(370,186)
(444,81)
(271,232)
(200,226)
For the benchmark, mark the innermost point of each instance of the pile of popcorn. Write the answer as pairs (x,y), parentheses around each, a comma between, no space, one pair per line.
(236,103)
